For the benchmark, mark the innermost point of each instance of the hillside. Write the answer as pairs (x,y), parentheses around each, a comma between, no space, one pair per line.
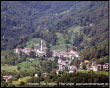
(20,19)
(35,43)
(57,26)
(75,35)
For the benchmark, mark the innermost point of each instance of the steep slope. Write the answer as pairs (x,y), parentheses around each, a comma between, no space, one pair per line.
(21,18)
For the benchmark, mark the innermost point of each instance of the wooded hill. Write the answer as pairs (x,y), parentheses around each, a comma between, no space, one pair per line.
(23,20)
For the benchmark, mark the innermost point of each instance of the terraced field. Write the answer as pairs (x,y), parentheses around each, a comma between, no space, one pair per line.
(8,68)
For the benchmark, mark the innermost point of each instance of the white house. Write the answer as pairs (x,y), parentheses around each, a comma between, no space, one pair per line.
(94,63)
(57,72)
(17,50)
(7,78)
(36,75)
(94,68)
(59,61)
(72,69)
(106,66)
(61,67)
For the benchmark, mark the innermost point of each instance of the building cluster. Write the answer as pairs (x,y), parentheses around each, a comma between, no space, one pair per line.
(44,74)
(65,65)
(42,52)
(94,66)
(63,53)
(39,52)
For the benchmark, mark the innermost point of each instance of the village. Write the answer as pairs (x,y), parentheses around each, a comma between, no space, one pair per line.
(63,65)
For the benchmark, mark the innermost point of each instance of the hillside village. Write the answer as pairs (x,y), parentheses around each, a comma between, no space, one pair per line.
(65,64)
(54,44)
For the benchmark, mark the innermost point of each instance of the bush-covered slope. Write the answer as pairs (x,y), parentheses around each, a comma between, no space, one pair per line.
(23,20)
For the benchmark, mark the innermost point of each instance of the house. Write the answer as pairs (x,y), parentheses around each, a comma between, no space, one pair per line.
(94,68)
(61,67)
(99,67)
(59,61)
(74,54)
(72,57)
(57,72)
(41,53)
(31,59)
(65,63)
(54,53)
(44,49)
(71,52)
(17,50)
(72,68)
(91,25)
(44,74)
(94,63)
(26,50)
(36,51)
(36,75)
(86,62)
(106,66)
(88,66)
(7,78)
(80,65)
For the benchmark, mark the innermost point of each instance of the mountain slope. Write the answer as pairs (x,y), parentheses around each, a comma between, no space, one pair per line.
(20,19)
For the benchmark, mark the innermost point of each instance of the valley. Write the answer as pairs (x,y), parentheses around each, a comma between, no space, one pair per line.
(54,42)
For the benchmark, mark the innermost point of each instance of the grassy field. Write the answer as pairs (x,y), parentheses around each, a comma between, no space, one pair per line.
(29,65)
(35,42)
(8,68)
(21,79)
(36,62)
(26,66)
(61,45)
(61,42)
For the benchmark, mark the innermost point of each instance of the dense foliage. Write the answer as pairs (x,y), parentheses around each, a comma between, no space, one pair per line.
(78,77)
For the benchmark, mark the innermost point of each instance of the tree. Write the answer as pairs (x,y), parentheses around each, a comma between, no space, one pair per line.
(22,83)
(4,84)
(67,47)
(32,55)
(11,85)
(84,66)
(54,39)
(48,51)
(39,73)
(18,68)
(67,42)
(75,62)
(32,47)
